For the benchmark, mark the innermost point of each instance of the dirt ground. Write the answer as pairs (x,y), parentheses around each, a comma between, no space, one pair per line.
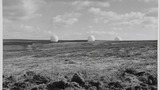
(99,65)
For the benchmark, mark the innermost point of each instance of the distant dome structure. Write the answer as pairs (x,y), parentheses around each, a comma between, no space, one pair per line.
(91,38)
(117,39)
(54,38)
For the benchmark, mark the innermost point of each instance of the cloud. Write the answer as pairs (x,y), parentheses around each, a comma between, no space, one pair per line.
(90,26)
(148,1)
(95,10)
(86,3)
(115,16)
(152,12)
(66,19)
(21,9)
(6,21)
(116,28)
(96,32)
(130,19)
(29,6)
(104,16)
(102,32)
(19,27)
(112,33)
(21,31)
(81,3)
(104,4)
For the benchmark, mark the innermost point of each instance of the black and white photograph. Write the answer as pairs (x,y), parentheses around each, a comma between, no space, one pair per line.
(80,44)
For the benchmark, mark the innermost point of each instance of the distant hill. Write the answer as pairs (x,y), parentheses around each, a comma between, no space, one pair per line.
(27,41)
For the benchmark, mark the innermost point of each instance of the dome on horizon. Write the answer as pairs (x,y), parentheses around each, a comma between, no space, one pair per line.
(117,39)
(91,38)
(54,38)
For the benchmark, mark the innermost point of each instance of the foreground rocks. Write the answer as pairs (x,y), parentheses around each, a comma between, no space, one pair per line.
(131,80)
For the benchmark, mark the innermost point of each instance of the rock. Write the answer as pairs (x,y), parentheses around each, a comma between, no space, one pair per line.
(20,86)
(39,87)
(34,88)
(8,81)
(6,89)
(152,80)
(130,71)
(70,88)
(35,78)
(87,85)
(92,88)
(137,88)
(38,79)
(97,84)
(29,74)
(139,73)
(144,88)
(57,84)
(78,79)
(129,88)
(143,79)
(128,80)
(153,88)
(115,85)
(74,84)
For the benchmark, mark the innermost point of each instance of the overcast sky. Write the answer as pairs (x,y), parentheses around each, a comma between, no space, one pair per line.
(77,19)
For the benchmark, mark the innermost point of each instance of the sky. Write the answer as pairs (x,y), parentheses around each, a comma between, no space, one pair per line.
(78,19)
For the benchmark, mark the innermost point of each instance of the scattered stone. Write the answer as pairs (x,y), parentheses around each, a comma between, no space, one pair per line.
(32,77)
(139,73)
(87,85)
(57,84)
(152,80)
(39,87)
(153,88)
(129,88)
(143,79)
(130,71)
(144,88)
(66,60)
(28,76)
(78,79)
(20,86)
(70,88)
(8,81)
(92,88)
(38,79)
(97,84)
(137,88)
(74,84)
(128,80)
(6,89)
(116,85)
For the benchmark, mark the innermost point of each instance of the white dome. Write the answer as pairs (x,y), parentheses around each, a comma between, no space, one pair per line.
(117,39)
(54,38)
(91,38)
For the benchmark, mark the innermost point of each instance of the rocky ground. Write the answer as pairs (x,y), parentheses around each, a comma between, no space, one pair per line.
(100,65)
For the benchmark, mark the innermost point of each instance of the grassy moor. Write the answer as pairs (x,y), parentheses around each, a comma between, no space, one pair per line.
(79,65)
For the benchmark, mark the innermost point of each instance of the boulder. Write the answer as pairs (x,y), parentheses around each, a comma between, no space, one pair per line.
(78,79)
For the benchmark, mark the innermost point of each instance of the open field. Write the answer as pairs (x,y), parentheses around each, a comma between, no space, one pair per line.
(79,65)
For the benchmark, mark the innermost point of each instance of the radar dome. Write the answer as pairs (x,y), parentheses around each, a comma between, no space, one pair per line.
(117,39)
(91,38)
(54,38)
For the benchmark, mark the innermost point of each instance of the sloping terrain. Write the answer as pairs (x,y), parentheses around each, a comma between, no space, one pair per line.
(99,65)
